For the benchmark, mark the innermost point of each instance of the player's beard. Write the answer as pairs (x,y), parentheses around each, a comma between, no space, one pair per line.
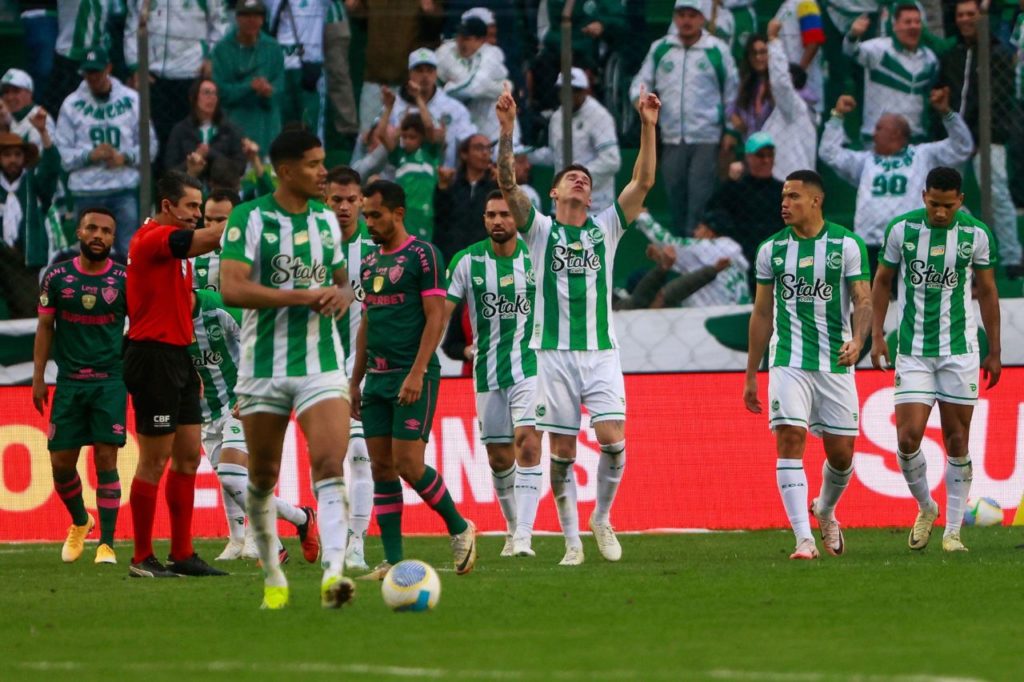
(502,237)
(92,255)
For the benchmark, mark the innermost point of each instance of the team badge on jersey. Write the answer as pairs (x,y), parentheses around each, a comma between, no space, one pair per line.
(88,301)
(109,294)
(394,274)
(596,235)
(965,249)
(834,260)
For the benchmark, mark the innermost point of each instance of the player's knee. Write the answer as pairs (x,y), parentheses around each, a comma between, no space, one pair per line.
(609,432)
(528,446)
(325,467)
(500,457)
(411,471)
(956,443)
(909,442)
(791,442)
(105,458)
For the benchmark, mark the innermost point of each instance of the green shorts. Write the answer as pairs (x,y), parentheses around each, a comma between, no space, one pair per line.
(383,416)
(86,413)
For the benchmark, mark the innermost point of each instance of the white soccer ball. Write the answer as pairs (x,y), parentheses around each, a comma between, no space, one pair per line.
(411,585)
(983,511)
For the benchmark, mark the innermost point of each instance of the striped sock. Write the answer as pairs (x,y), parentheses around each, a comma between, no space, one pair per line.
(387,503)
(434,492)
(69,489)
(505,488)
(108,500)
(180,493)
(563,488)
(332,519)
(143,503)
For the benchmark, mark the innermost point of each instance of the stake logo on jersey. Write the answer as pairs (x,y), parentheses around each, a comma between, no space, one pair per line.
(812,301)
(937,265)
(357,247)
(214,353)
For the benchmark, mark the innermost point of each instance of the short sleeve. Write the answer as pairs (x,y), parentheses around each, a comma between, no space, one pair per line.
(537,228)
(432,279)
(458,277)
(235,242)
(155,242)
(338,256)
(983,258)
(47,293)
(892,244)
(856,266)
(763,264)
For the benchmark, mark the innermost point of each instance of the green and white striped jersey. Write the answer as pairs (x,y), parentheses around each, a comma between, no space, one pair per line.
(81,26)
(286,251)
(573,302)
(499,291)
(356,248)
(214,352)
(937,267)
(206,271)
(811,279)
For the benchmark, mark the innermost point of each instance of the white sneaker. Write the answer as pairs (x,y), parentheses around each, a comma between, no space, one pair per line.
(464,549)
(805,549)
(831,533)
(355,560)
(573,556)
(378,573)
(922,530)
(521,546)
(232,551)
(508,548)
(607,543)
(951,543)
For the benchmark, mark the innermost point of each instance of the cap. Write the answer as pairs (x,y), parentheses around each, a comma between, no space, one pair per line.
(251,7)
(472,27)
(16,78)
(719,222)
(96,59)
(482,13)
(8,140)
(695,5)
(422,56)
(757,142)
(578,79)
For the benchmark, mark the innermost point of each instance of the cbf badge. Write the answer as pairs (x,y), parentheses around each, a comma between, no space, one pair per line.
(378,283)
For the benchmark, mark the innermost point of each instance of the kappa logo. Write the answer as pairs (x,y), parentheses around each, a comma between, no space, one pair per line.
(834,260)
(965,249)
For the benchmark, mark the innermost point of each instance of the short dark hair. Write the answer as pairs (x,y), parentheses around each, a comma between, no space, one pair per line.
(944,178)
(413,121)
(292,145)
(808,177)
(571,167)
(172,186)
(344,175)
(223,194)
(494,194)
(102,210)
(905,7)
(391,193)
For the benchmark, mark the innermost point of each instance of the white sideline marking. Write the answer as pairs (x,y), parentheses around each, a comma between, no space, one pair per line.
(441,673)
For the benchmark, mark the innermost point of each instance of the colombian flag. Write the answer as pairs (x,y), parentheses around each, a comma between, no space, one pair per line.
(809,15)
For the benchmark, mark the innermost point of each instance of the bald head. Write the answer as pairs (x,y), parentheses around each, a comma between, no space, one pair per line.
(892,133)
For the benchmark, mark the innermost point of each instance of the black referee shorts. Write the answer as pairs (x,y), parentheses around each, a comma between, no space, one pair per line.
(164,387)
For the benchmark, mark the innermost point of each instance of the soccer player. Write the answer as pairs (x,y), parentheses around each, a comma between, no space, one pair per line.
(214,352)
(159,375)
(283,262)
(82,309)
(808,275)
(577,356)
(344,198)
(403,319)
(216,209)
(496,279)
(939,252)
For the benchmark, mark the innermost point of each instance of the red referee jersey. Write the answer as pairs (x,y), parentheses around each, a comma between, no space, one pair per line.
(159,288)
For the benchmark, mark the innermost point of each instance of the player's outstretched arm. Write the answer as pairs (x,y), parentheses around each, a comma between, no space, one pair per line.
(238,290)
(631,199)
(757,343)
(881,290)
(988,302)
(358,369)
(40,356)
(206,240)
(860,296)
(518,203)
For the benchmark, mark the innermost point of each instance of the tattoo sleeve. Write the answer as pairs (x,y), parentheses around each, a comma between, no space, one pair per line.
(518,203)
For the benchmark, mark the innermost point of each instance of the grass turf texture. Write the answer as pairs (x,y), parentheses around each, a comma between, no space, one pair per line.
(689,607)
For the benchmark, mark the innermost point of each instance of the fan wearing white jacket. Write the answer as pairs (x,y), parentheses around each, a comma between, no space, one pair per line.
(793,122)
(473,71)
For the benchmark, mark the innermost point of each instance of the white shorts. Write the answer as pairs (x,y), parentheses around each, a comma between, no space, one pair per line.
(280,395)
(225,432)
(569,379)
(948,379)
(821,402)
(503,411)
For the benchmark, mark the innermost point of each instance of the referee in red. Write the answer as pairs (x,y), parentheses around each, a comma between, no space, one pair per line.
(158,372)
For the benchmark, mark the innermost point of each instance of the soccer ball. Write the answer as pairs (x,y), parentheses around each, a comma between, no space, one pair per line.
(983,511)
(411,585)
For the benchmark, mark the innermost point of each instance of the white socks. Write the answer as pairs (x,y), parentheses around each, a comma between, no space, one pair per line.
(505,488)
(915,470)
(959,474)
(833,484)
(360,487)
(263,520)
(609,474)
(527,498)
(789,474)
(289,512)
(234,478)
(563,487)
(332,517)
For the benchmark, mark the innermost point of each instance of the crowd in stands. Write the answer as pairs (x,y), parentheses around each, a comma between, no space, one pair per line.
(876,91)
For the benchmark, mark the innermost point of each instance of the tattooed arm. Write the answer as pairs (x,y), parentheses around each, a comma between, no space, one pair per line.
(518,203)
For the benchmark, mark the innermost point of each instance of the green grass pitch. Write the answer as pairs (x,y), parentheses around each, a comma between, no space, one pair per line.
(721,606)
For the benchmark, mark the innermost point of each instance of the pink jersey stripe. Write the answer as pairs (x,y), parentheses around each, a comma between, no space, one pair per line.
(46,311)
(78,266)
(404,244)
(388,508)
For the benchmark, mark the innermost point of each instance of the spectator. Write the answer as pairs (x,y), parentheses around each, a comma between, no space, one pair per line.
(248,68)
(205,143)
(98,139)
(298,26)
(181,36)
(80,28)
(24,188)
(802,33)
(457,343)
(793,119)
(509,41)
(899,70)
(959,72)
(259,179)
(39,23)
(661,286)
(340,99)
(473,72)
(752,197)
(700,65)
(17,89)
(745,24)
(594,143)
(753,103)
(523,170)
(890,176)
(461,198)
(445,110)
